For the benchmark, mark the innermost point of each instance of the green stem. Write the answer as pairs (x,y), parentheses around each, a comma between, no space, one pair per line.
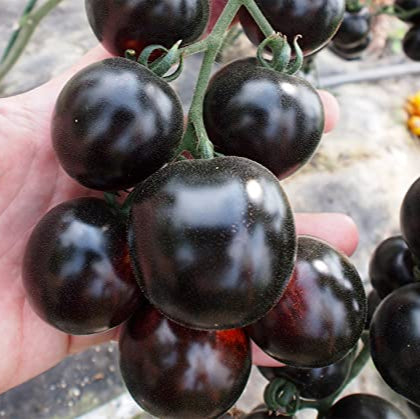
(201,147)
(27,27)
(259,17)
(28,8)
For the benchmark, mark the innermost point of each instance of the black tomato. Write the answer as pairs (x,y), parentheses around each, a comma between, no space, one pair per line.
(135,24)
(115,123)
(76,268)
(316,21)
(410,219)
(322,313)
(395,341)
(314,383)
(353,53)
(373,302)
(411,43)
(353,30)
(272,118)
(212,241)
(175,372)
(363,406)
(409,5)
(391,266)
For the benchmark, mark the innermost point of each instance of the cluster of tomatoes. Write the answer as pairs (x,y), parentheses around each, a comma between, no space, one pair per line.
(354,35)
(395,303)
(203,256)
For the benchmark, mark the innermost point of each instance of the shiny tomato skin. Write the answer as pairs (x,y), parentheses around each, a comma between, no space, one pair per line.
(316,21)
(272,118)
(313,383)
(391,266)
(354,28)
(351,53)
(136,24)
(395,341)
(212,241)
(363,406)
(115,123)
(322,313)
(411,43)
(175,372)
(409,218)
(76,268)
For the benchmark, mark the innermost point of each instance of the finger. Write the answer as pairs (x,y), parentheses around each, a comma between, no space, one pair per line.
(337,229)
(262,359)
(332,110)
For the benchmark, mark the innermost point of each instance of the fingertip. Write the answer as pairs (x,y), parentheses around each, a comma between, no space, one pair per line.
(337,229)
(331,108)
(259,357)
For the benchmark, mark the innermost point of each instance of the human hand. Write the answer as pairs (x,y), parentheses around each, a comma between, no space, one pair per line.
(31,182)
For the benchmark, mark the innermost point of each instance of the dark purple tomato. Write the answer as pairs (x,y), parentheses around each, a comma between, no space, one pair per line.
(115,123)
(411,43)
(272,118)
(410,219)
(353,30)
(213,241)
(409,5)
(135,24)
(175,372)
(313,383)
(322,313)
(373,302)
(316,21)
(353,53)
(391,266)
(76,268)
(395,341)
(363,406)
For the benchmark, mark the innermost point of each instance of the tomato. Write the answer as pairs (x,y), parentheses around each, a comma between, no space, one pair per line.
(353,53)
(391,266)
(395,341)
(212,241)
(76,268)
(174,372)
(409,218)
(409,5)
(135,24)
(313,383)
(115,123)
(272,118)
(316,21)
(411,43)
(353,30)
(373,302)
(322,313)
(363,406)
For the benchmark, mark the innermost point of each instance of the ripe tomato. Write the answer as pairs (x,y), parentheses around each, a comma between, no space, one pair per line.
(322,313)
(174,372)
(316,21)
(409,218)
(272,118)
(76,268)
(115,123)
(314,383)
(212,241)
(353,30)
(135,24)
(395,341)
(363,406)
(391,266)
(411,43)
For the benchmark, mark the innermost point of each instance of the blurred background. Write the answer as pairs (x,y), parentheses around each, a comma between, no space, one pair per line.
(363,168)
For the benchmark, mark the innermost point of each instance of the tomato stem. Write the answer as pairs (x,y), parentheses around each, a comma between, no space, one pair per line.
(21,36)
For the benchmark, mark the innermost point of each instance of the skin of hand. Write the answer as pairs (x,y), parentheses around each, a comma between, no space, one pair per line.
(31,183)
